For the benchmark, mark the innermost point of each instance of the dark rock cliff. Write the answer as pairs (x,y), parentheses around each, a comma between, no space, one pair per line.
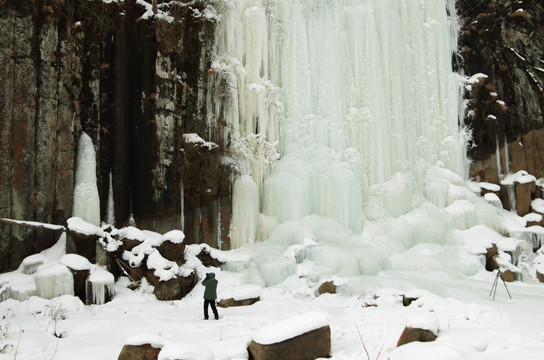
(136,84)
(505,41)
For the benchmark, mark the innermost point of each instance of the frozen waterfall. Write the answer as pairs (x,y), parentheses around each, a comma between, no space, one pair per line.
(353,100)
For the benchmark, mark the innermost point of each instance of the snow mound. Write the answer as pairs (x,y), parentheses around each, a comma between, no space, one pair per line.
(242,292)
(81,226)
(75,262)
(185,351)
(153,340)
(175,236)
(424,321)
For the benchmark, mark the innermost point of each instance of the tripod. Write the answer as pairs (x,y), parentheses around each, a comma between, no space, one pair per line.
(494,287)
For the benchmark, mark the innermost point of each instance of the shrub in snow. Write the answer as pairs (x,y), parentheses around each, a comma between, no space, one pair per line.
(303,337)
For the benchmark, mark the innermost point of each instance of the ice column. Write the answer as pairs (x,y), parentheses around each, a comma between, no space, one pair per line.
(245,215)
(86,199)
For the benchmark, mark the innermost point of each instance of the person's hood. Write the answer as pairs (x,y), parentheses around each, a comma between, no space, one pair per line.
(212,275)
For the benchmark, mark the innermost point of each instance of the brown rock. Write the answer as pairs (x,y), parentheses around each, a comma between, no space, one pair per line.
(407,301)
(508,276)
(134,273)
(188,283)
(80,279)
(140,352)
(207,259)
(491,258)
(173,251)
(129,244)
(309,346)
(168,290)
(225,303)
(412,334)
(173,289)
(524,196)
(327,288)
(540,276)
(81,244)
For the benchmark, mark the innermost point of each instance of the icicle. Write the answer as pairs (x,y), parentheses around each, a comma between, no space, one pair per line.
(498,156)
(110,216)
(99,286)
(506,156)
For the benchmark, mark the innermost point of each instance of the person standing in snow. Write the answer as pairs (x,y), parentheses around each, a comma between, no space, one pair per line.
(210,294)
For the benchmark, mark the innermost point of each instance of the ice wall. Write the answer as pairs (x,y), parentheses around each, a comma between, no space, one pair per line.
(357,97)
(86,200)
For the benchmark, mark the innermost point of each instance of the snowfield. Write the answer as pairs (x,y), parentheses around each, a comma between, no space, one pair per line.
(366,310)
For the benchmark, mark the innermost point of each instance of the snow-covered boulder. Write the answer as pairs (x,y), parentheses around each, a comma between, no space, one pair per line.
(421,327)
(307,336)
(142,347)
(240,296)
(171,281)
(82,238)
(172,247)
(131,237)
(207,257)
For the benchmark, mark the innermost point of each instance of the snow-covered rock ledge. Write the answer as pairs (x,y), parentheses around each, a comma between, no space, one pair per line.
(307,336)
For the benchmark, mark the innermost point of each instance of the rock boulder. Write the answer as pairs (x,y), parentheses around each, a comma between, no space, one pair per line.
(413,334)
(277,342)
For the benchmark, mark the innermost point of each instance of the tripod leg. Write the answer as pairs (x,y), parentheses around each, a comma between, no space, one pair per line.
(504,282)
(494,287)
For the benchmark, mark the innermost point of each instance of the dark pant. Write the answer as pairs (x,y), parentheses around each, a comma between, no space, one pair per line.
(214,309)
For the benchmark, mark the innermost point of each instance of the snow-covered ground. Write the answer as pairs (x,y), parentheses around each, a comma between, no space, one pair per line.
(366,309)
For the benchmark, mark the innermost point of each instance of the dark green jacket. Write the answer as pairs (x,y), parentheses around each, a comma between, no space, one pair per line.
(210,284)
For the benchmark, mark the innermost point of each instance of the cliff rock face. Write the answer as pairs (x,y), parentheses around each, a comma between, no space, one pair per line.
(135,83)
(504,40)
